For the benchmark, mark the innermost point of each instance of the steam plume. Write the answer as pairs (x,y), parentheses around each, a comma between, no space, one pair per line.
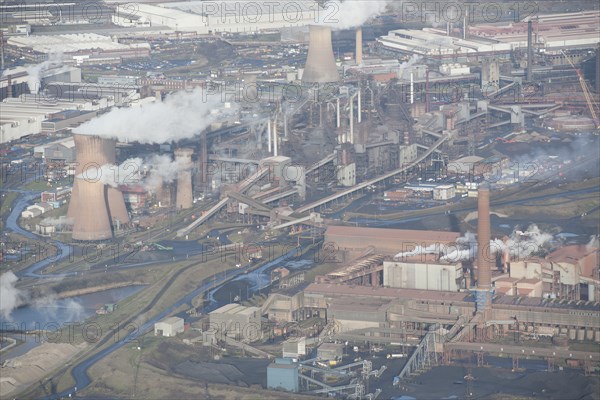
(10,296)
(351,13)
(34,72)
(180,116)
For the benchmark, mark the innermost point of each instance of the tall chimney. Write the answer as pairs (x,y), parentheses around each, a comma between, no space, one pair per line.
(359,46)
(483,298)
(9,89)
(529,50)
(183,199)
(320,64)
(484,262)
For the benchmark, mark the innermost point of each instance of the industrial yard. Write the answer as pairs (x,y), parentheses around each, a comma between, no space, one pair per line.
(349,199)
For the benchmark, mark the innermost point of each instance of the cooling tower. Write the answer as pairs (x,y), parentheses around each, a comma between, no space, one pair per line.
(116,206)
(108,204)
(484,256)
(320,64)
(92,221)
(183,198)
(91,152)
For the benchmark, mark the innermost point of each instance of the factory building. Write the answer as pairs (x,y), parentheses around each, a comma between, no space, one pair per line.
(169,327)
(237,322)
(571,272)
(25,115)
(223,16)
(330,352)
(283,375)
(355,240)
(78,48)
(553,33)
(423,275)
(294,347)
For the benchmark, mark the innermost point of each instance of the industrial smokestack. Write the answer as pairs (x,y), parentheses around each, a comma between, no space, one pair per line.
(91,221)
(483,292)
(9,89)
(529,50)
(359,46)
(184,198)
(484,262)
(320,64)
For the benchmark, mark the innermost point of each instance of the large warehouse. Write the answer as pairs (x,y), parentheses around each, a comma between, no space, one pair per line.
(205,17)
(552,33)
(423,275)
(385,241)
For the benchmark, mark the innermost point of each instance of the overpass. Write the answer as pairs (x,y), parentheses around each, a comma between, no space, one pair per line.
(373,181)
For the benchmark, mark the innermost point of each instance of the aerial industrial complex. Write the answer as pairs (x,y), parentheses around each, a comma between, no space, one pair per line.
(259,201)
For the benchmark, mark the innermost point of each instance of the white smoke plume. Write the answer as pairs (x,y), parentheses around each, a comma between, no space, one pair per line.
(127,173)
(58,222)
(351,13)
(50,305)
(180,116)
(163,169)
(34,72)
(149,172)
(406,67)
(10,296)
(521,244)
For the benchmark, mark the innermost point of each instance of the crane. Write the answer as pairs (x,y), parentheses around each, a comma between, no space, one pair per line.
(586,92)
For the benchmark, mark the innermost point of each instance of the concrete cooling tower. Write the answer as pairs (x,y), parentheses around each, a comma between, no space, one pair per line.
(93,205)
(320,64)
(92,221)
(183,199)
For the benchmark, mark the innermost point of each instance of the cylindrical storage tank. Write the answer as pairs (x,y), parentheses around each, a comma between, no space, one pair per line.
(581,334)
(184,199)
(116,206)
(91,220)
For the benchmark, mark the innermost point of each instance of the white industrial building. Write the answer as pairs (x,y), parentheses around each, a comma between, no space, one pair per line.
(169,327)
(24,115)
(423,275)
(79,47)
(236,321)
(551,33)
(204,17)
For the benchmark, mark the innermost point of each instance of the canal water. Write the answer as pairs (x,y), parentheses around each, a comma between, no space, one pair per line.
(51,313)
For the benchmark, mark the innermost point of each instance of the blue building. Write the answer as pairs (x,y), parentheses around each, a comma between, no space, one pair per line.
(283,374)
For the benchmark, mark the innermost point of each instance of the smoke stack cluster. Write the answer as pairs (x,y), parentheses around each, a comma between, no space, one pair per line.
(320,64)
(94,207)
(183,199)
